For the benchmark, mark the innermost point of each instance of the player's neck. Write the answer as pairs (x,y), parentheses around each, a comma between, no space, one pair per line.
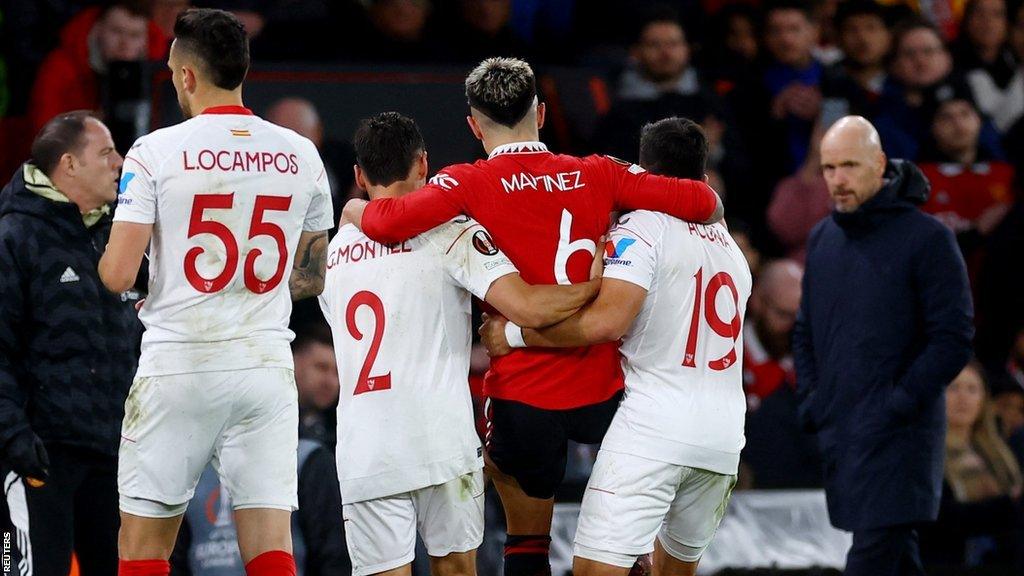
(215,97)
(503,137)
(396,190)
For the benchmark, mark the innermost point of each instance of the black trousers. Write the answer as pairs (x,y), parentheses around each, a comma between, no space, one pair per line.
(888,551)
(76,510)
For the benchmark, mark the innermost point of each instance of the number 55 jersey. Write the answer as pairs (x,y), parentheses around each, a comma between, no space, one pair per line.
(228,195)
(684,401)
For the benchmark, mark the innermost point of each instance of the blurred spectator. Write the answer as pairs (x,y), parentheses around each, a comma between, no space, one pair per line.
(743,236)
(999,297)
(660,82)
(855,83)
(827,50)
(395,31)
(982,483)
(248,12)
(300,115)
(799,202)
(72,76)
(68,351)
(767,355)
(481,29)
(316,378)
(207,542)
(983,53)
(884,325)
(733,59)
(971,192)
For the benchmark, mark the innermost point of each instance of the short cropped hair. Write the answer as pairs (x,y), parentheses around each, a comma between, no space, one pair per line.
(386,147)
(311,333)
(801,6)
(674,147)
(503,89)
(217,38)
(853,8)
(64,133)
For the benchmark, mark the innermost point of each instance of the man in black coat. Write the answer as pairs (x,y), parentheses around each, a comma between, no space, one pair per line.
(885,324)
(68,350)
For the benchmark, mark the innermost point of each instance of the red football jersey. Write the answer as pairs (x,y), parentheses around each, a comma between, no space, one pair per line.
(960,194)
(546,212)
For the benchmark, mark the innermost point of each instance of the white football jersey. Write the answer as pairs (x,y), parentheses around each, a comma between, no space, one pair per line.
(401,321)
(228,195)
(684,401)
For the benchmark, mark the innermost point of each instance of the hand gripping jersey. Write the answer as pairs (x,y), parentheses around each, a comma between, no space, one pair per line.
(684,401)
(228,195)
(546,212)
(400,315)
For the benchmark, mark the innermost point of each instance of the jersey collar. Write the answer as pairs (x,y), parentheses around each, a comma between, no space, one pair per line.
(519,148)
(240,110)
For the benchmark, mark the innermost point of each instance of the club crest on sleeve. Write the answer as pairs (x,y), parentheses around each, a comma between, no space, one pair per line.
(483,244)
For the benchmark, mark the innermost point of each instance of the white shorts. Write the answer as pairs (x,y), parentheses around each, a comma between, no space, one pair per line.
(245,422)
(631,500)
(381,533)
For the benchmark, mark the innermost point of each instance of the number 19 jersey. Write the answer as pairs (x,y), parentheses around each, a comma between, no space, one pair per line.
(684,401)
(228,195)
(400,315)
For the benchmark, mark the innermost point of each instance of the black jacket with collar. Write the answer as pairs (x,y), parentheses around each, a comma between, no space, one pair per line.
(68,347)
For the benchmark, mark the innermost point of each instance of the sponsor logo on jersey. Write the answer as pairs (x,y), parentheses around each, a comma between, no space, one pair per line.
(483,244)
(126,178)
(616,250)
(444,181)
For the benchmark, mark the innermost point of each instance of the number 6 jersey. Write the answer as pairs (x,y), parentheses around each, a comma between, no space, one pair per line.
(400,315)
(228,195)
(684,401)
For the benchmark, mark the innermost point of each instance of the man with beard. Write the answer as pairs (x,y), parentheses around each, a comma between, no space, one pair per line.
(767,358)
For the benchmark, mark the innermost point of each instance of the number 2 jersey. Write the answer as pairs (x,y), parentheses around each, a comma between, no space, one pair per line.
(684,401)
(228,195)
(400,315)
(546,212)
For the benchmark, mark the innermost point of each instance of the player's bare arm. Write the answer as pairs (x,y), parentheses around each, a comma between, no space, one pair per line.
(119,265)
(606,319)
(352,213)
(540,305)
(310,266)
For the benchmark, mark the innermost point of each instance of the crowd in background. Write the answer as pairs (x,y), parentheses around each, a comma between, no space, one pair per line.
(943,82)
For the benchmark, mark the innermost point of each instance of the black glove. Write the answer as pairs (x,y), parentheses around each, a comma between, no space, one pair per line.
(26,455)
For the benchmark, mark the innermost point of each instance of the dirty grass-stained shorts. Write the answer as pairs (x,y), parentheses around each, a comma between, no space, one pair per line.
(381,533)
(244,421)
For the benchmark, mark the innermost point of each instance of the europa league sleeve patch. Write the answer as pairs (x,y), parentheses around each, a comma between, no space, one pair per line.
(483,244)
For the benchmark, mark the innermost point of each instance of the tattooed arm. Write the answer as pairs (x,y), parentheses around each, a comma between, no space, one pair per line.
(310,265)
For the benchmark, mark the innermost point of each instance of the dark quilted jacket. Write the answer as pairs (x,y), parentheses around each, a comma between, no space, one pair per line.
(67,345)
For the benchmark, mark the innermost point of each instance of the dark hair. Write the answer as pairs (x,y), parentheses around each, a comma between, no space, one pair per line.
(853,8)
(798,5)
(386,147)
(311,333)
(658,14)
(908,25)
(218,40)
(138,8)
(503,89)
(674,147)
(64,133)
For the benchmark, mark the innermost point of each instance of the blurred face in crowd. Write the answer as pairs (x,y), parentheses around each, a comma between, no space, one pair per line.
(662,52)
(986,24)
(122,36)
(299,115)
(956,128)
(1009,407)
(400,19)
(741,37)
(316,376)
(852,163)
(775,303)
(965,398)
(921,59)
(790,37)
(865,40)
(487,16)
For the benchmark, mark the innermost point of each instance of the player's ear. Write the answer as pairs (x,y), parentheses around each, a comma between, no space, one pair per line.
(360,179)
(541,113)
(188,79)
(474,127)
(422,166)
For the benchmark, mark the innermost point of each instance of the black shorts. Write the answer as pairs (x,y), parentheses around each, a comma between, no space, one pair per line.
(530,443)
